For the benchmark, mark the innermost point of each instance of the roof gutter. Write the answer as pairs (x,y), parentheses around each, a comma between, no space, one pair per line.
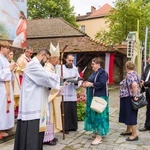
(59,36)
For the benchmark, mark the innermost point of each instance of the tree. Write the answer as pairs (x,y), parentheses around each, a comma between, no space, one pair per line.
(51,8)
(123,19)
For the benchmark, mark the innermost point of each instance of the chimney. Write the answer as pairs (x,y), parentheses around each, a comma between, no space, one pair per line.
(93,9)
(88,13)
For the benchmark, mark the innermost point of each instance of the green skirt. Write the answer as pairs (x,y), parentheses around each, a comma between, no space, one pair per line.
(96,122)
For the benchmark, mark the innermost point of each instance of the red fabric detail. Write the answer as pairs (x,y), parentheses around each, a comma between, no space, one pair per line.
(16,111)
(1,136)
(111,69)
(81,74)
(28,60)
(9,101)
(22,28)
(20,79)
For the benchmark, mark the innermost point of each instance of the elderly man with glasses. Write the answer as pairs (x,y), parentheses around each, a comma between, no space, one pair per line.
(22,61)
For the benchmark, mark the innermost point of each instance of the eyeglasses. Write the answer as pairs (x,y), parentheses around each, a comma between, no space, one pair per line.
(30,53)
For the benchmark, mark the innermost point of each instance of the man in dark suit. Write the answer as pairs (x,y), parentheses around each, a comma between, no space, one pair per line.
(145,82)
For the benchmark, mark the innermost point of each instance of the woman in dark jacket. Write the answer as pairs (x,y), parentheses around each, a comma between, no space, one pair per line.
(96,86)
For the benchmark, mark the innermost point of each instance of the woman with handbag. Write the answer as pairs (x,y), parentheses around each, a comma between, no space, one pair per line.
(129,88)
(96,86)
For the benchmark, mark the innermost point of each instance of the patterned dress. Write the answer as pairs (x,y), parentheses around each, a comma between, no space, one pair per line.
(127,115)
(97,122)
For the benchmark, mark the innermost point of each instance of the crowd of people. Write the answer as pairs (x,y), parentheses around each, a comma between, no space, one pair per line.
(32,91)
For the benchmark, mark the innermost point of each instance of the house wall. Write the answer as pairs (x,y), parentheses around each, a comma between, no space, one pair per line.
(92,26)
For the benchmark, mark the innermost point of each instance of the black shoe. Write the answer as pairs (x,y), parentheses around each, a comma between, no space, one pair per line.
(50,143)
(123,133)
(73,130)
(143,129)
(55,140)
(135,139)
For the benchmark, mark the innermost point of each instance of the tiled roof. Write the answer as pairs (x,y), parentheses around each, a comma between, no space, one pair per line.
(75,44)
(52,27)
(102,11)
(43,31)
(82,17)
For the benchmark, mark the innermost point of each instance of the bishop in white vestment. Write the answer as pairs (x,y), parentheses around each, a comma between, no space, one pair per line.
(54,123)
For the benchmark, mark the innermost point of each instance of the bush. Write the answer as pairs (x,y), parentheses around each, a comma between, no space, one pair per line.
(81,105)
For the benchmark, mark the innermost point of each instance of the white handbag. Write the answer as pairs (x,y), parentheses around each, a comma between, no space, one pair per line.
(98,104)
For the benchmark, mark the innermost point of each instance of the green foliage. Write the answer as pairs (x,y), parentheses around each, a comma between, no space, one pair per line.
(51,8)
(81,107)
(123,19)
(81,111)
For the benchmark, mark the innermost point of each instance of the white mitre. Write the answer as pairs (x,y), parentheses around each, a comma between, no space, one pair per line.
(55,52)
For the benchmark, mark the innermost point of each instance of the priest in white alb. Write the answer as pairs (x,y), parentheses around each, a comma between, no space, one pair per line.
(70,94)
(33,106)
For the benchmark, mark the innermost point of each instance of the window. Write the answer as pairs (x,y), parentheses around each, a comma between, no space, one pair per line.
(82,28)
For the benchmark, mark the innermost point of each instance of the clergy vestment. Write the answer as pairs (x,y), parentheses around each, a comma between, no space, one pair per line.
(22,61)
(55,122)
(70,99)
(33,98)
(6,119)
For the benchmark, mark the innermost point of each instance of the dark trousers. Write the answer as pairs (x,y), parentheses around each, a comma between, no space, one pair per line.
(147,121)
(70,115)
(28,136)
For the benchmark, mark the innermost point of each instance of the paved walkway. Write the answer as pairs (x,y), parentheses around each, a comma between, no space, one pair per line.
(81,140)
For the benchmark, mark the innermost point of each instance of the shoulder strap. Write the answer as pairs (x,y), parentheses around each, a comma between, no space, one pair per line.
(127,87)
(96,77)
(148,75)
(95,81)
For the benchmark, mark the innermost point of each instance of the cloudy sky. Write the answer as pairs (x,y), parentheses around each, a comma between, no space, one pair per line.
(83,6)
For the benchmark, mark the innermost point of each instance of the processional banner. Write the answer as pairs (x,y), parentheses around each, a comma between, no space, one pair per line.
(13,22)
